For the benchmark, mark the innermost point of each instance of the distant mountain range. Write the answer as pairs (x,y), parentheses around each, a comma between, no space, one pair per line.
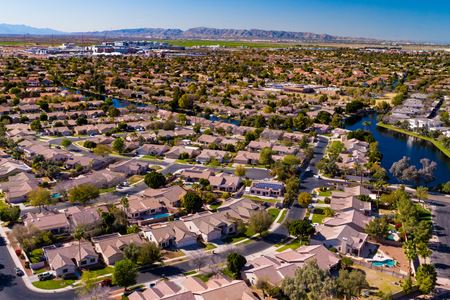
(192,33)
(24,29)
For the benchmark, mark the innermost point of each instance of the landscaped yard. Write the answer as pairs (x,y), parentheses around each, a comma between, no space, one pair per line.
(172,254)
(283,215)
(273,212)
(270,200)
(53,284)
(295,244)
(103,271)
(107,190)
(381,281)
(204,277)
(317,218)
(150,157)
(135,178)
(215,205)
(324,193)
(210,247)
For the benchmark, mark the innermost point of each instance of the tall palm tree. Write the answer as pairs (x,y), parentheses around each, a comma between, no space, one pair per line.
(79,235)
(124,202)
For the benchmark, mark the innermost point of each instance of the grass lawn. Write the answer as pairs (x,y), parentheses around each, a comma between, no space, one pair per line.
(295,244)
(283,215)
(103,271)
(190,273)
(270,200)
(210,247)
(324,193)
(204,277)
(382,281)
(274,212)
(135,178)
(228,273)
(215,205)
(53,284)
(39,271)
(436,143)
(108,190)
(150,157)
(172,254)
(317,218)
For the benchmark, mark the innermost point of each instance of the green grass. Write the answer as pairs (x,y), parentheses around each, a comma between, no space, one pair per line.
(228,273)
(204,277)
(436,143)
(103,271)
(215,205)
(190,273)
(228,44)
(274,212)
(295,244)
(53,284)
(318,218)
(424,214)
(108,190)
(150,157)
(325,194)
(283,215)
(210,247)
(39,271)
(255,198)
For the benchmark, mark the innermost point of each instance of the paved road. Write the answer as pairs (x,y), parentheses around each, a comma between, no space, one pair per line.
(441,250)
(13,287)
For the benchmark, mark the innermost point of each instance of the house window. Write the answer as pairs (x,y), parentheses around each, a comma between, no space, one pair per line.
(92,260)
(83,262)
(65,270)
(152,211)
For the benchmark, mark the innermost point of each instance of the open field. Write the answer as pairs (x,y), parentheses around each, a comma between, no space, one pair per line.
(387,98)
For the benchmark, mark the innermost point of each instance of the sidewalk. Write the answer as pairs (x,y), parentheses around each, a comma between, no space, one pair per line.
(25,278)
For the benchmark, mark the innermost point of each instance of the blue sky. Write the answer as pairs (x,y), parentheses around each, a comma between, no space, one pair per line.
(389,19)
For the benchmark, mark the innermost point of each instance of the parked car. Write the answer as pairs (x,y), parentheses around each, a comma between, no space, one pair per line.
(19,272)
(45,276)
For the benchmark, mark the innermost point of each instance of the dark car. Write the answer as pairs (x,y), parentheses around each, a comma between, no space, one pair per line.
(19,272)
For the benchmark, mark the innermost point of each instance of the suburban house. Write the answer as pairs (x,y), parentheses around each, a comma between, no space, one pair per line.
(176,151)
(10,167)
(66,260)
(85,216)
(163,290)
(354,218)
(207,155)
(18,187)
(194,174)
(225,182)
(171,235)
(110,246)
(274,270)
(207,140)
(343,238)
(152,149)
(246,158)
(130,167)
(267,188)
(56,223)
(211,226)
(350,203)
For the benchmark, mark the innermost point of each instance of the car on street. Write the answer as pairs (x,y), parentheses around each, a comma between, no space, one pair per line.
(45,276)
(18,272)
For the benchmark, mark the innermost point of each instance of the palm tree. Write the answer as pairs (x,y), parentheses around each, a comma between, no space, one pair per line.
(422,194)
(79,235)
(124,202)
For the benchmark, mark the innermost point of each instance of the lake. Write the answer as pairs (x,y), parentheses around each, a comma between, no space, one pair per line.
(395,145)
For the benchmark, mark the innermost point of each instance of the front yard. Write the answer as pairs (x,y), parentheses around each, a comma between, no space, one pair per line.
(255,198)
(53,284)
(380,281)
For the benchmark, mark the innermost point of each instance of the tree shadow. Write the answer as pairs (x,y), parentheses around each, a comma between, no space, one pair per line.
(6,280)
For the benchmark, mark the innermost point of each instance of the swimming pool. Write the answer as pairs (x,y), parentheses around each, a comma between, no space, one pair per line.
(159,216)
(384,263)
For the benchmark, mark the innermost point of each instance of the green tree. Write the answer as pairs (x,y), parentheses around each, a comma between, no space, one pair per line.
(155,179)
(79,235)
(149,254)
(422,194)
(102,150)
(292,188)
(240,170)
(192,202)
(36,125)
(352,283)
(260,221)
(304,199)
(378,228)
(66,143)
(426,278)
(124,273)
(118,145)
(9,213)
(265,156)
(301,229)
(235,263)
(131,252)
(39,197)
(83,193)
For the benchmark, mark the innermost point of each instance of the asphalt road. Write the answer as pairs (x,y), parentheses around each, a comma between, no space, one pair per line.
(441,221)
(13,287)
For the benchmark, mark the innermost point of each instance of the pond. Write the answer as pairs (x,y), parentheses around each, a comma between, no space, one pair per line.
(395,145)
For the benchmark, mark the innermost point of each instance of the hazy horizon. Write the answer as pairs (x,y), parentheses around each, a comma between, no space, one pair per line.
(380,19)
